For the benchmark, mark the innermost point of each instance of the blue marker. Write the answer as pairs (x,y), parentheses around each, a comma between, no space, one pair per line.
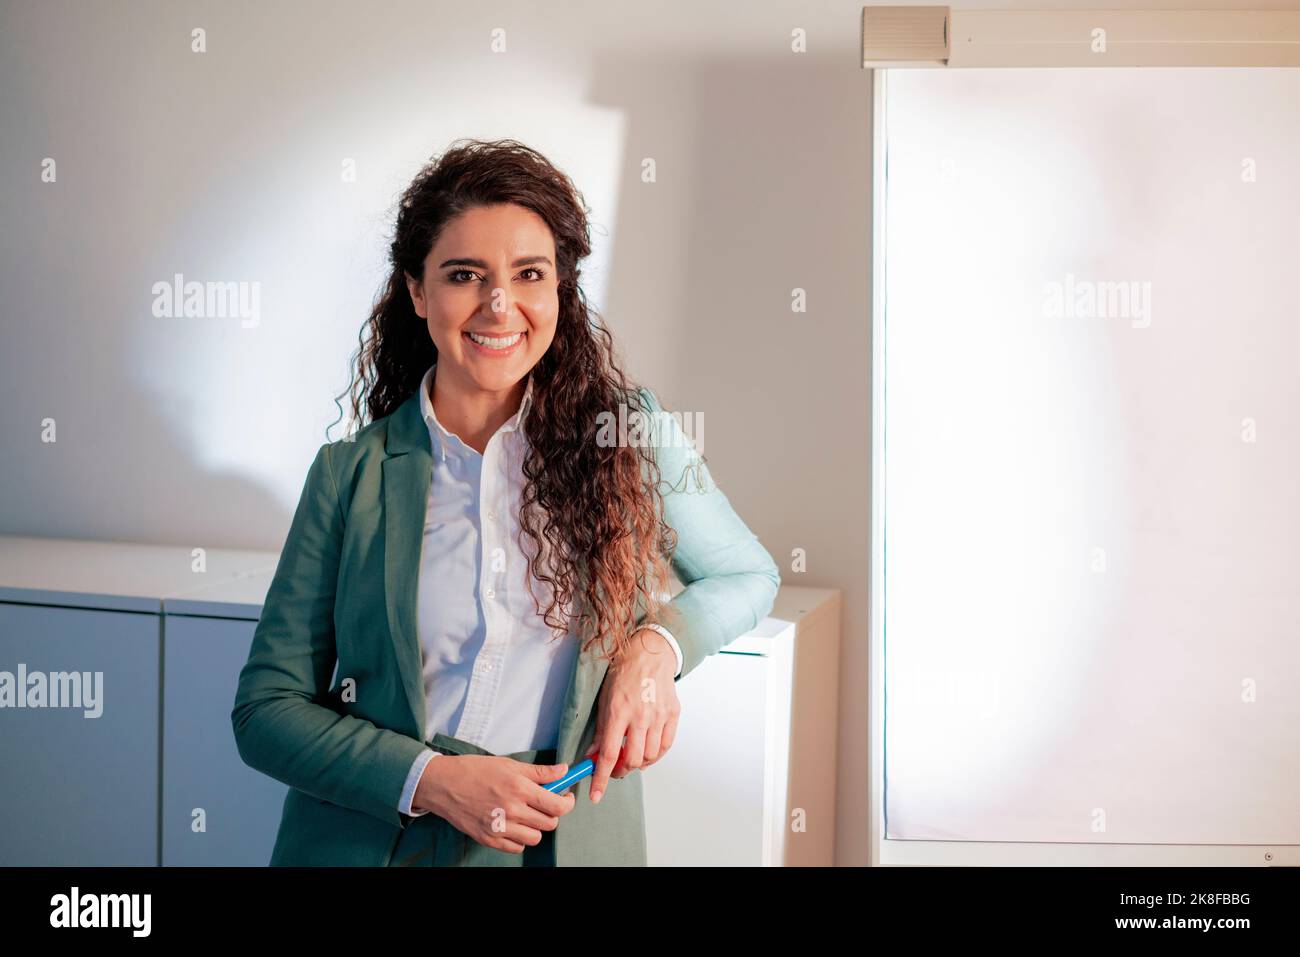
(576,774)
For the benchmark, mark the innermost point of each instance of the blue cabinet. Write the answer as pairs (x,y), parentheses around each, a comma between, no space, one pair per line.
(155,777)
(216,810)
(80,789)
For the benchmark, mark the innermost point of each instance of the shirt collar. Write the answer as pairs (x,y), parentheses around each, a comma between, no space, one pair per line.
(440,437)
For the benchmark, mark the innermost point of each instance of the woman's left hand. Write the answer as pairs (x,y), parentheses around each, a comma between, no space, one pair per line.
(638,699)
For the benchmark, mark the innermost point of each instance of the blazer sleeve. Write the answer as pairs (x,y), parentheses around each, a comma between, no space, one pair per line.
(730,579)
(283,724)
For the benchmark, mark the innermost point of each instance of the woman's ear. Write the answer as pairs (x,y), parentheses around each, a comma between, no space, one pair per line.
(416,289)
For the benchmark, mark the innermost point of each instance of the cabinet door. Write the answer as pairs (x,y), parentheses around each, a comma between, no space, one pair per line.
(704,801)
(80,789)
(216,809)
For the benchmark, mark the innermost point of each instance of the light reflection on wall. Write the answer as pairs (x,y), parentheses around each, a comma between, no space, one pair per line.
(255,401)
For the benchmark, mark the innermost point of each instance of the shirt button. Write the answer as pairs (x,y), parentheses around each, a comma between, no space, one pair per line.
(492,515)
(489,593)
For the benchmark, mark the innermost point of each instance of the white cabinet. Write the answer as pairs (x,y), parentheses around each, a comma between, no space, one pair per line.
(750,778)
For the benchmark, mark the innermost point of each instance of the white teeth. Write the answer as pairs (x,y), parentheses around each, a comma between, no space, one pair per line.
(495,343)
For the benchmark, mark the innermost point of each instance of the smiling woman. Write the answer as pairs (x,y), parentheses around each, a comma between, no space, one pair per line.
(490,320)
(486,471)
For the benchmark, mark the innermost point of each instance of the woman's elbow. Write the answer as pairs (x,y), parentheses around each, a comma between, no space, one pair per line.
(243,723)
(257,711)
(774,577)
(768,576)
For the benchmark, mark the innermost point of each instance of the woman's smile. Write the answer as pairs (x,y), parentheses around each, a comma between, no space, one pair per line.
(496,346)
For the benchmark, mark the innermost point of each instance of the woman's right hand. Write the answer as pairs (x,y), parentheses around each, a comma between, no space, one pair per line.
(497,801)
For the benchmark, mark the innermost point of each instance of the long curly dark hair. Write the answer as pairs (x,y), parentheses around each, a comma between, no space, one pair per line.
(597,506)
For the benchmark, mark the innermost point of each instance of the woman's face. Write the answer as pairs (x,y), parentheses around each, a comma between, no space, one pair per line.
(491,275)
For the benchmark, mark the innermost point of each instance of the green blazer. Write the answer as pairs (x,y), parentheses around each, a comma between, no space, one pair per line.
(344,591)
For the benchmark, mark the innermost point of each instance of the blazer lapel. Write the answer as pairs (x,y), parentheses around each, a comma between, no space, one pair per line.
(588,672)
(584,686)
(407,472)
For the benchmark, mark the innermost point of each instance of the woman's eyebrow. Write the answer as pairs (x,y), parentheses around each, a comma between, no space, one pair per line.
(480,264)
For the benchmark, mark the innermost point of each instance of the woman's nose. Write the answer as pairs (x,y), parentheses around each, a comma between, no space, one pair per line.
(498,302)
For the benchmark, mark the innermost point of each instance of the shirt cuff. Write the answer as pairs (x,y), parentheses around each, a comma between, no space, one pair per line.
(412,779)
(672,641)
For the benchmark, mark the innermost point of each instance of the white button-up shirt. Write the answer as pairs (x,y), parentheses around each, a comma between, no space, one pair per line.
(494,672)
